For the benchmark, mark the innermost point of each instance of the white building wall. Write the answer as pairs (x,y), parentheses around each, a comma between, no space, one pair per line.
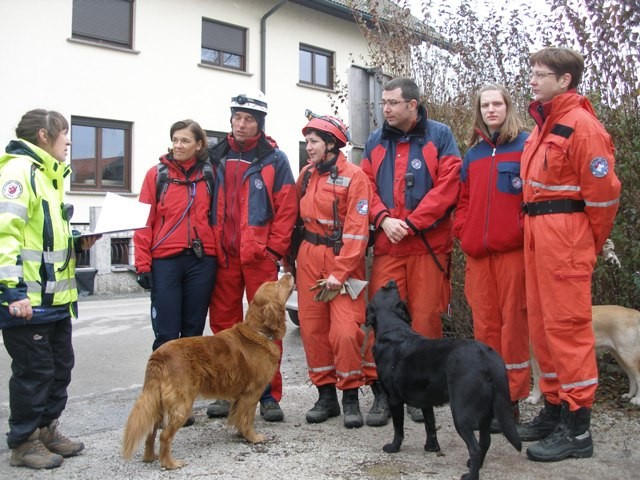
(162,82)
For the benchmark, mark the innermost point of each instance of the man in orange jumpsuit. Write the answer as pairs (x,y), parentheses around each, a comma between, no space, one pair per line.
(413,164)
(571,196)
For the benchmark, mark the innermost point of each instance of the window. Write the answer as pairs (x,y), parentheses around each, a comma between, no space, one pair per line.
(103,21)
(223,45)
(120,251)
(316,67)
(100,155)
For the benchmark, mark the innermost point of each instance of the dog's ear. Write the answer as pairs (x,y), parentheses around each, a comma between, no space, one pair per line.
(402,307)
(273,315)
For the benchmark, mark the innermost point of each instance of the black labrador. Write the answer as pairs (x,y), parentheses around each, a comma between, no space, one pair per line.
(425,373)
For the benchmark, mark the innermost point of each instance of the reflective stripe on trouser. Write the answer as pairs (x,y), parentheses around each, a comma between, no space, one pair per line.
(421,283)
(226,307)
(42,360)
(331,332)
(559,260)
(495,289)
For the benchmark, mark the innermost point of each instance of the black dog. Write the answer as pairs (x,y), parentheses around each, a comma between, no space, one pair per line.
(425,373)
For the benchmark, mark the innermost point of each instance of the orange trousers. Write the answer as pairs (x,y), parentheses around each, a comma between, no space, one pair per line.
(226,307)
(331,332)
(421,284)
(495,289)
(559,260)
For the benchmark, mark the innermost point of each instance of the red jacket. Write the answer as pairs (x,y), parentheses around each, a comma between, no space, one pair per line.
(352,190)
(489,217)
(173,225)
(429,157)
(570,155)
(266,196)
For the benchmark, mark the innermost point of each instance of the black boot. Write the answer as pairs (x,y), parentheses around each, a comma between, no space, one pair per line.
(379,414)
(351,408)
(495,426)
(326,406)
(571,438)
(541,426)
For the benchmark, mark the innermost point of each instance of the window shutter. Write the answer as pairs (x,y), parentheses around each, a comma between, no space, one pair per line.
(216,36)
(107,20)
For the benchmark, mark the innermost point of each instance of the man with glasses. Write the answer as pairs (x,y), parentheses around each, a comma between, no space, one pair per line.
(571,196)
(413,164)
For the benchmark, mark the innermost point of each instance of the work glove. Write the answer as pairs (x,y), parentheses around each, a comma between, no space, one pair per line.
(609,255)
(324,294)
(145,280)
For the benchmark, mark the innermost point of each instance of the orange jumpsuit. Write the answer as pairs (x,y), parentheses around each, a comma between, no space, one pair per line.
(331,332)
(569,156)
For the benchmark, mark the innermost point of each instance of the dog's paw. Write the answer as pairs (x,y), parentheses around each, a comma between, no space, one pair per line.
(172,465)
(149,458)
(391,448)
(634,401)
(256,438)
(432,446)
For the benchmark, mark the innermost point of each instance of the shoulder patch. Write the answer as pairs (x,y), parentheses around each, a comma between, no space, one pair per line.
(12,189)
(363,206)
(599,167)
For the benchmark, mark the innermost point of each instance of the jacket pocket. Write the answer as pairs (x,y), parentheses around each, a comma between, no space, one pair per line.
(509,180)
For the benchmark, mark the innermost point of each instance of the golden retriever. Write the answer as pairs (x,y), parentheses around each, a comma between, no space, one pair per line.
(235,364)
(617,329)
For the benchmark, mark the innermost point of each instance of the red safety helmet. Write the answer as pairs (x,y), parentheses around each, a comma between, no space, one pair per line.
(331,125)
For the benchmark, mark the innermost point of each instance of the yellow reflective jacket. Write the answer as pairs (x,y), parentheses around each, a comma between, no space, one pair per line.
(37,255)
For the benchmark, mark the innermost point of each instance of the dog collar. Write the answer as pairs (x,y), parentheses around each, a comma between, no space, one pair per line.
(270,337)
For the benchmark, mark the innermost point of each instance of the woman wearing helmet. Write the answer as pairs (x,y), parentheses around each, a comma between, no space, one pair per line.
(334,206)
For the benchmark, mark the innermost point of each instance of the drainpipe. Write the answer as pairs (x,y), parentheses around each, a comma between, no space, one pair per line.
(263,44)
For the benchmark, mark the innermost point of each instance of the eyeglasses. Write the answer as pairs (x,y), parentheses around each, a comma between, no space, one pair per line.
(391,103)
(538,75)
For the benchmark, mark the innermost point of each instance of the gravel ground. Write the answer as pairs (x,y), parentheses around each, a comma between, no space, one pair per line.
(297,450)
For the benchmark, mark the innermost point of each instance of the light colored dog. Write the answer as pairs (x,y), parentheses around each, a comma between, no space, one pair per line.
(617,330)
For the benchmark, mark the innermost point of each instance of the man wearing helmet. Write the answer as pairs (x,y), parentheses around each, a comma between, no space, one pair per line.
(334,206)
(255,210)
(413,164)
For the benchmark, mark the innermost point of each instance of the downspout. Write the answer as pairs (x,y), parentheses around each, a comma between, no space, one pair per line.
(263,44)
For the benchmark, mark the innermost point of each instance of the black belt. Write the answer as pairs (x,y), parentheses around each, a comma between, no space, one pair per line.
(546,207)
(188,251)
(316,239)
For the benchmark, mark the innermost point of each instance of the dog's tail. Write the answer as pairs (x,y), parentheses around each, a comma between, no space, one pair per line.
(502,408)
(146,412)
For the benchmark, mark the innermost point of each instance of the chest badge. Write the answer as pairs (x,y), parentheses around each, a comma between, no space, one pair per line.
(416,164)
(516,182)
(12,189)
(258,183)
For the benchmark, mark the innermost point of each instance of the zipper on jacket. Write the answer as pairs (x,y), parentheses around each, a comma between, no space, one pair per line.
(485,236)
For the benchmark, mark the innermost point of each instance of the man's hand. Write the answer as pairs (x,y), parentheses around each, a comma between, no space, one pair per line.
(145,280)
(395,229)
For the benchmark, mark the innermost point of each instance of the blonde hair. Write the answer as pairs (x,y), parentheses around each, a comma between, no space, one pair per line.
(511,127)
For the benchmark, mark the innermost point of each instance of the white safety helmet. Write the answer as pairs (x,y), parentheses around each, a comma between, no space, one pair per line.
(252,100)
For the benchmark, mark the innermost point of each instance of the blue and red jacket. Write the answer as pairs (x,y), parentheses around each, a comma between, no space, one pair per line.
(489,217)
(255,198)
(415,177)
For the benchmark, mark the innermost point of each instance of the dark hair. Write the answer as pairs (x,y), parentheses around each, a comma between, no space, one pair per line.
(35,120)
(326,138)
(410,90)
(512,125)
(199,134)
(561,61)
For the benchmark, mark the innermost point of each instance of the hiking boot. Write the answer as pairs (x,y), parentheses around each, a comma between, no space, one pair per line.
(351,408)
(495,426)
(270,410)
(55,442)
(415,414)
(571,438)
(542,426)
(33,454)
(379,414)
(218,409)
(326,406)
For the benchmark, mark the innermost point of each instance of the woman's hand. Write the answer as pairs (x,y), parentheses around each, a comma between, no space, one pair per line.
(21,308)
(333,283)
